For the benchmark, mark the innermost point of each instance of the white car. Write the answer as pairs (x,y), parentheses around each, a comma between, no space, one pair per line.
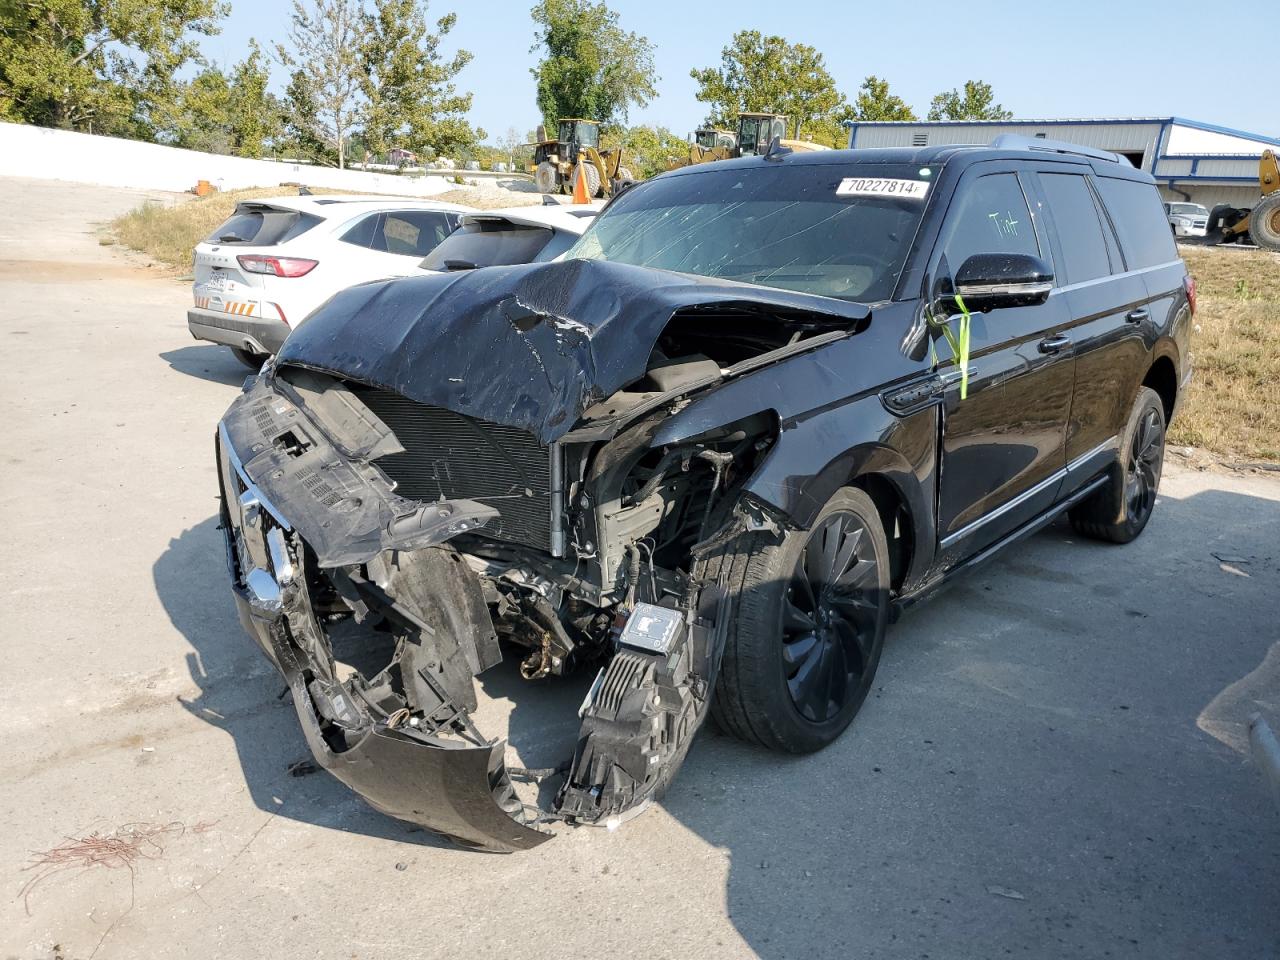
(274,261)
(1187,219)
(493,238)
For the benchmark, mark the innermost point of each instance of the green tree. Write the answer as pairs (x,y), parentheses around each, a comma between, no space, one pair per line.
(875,102)
(198,117)
(106,66)
(323,100)
(767,74)
(647,150)
(590,67)
(411,100)
(225,113)
(253,113)
(976,102)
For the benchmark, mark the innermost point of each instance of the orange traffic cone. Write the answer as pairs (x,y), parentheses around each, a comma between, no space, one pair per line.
(580,185)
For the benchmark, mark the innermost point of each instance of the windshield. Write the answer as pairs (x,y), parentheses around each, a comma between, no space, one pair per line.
(831,229)
(588,133)
(1194,209)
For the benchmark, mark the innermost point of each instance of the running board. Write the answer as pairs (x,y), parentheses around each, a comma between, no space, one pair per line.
(901,604)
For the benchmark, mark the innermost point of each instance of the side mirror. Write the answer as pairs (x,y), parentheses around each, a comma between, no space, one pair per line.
(989,281)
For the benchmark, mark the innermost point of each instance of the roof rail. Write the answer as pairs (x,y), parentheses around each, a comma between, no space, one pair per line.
(1016,141)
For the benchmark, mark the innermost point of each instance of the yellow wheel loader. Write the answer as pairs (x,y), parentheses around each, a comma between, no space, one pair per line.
(1261,224)
(754,134)
(575,152)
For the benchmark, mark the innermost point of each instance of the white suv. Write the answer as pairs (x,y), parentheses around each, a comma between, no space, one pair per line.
(274,261)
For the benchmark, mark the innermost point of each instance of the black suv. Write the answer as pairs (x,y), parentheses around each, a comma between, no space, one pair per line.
(705,460)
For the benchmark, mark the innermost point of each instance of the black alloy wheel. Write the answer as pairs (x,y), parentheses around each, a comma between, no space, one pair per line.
(831,618)
(1142,473)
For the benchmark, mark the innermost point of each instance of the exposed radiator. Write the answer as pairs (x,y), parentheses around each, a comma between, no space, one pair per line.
(454,457)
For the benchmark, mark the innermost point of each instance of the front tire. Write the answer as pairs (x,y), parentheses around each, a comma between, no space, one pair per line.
(1264,223)
(808,614)
(1120,510)
(592,176)
(547,177)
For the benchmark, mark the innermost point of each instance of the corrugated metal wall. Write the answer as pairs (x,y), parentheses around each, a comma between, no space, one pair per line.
(1209,195)
(1117,137)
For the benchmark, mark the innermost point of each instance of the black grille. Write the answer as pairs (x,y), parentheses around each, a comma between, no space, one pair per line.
(454,457)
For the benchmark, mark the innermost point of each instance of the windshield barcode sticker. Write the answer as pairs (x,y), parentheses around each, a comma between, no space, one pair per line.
(879,187)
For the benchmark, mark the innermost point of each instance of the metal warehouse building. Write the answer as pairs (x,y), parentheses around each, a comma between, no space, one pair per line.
(1194,161)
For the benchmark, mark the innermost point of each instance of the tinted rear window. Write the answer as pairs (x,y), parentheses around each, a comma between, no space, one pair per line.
(488,243)
(262,226)
(1140,220)
(1084,251)
(413,233)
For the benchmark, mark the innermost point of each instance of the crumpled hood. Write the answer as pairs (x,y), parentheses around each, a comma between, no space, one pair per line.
(529,346)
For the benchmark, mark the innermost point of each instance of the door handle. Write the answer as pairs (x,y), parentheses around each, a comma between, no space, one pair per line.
(1137,316)
(1054,344)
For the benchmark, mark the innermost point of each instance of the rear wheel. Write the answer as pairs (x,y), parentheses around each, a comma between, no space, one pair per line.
(253,361)
(1120,510)
(807,626)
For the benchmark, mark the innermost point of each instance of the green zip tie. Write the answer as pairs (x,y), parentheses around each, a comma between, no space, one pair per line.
(959,345)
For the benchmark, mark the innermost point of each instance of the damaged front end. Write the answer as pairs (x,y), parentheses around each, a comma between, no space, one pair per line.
(443,519)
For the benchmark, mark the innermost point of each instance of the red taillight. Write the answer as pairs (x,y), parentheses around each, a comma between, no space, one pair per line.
(277,266)
(1189,285)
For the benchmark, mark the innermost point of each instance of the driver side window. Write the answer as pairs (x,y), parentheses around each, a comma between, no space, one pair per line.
(990,215)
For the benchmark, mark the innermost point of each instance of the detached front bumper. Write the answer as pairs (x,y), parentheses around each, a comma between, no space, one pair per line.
(437,780)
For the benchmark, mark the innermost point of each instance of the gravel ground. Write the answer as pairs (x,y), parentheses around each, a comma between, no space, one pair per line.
(1051,764)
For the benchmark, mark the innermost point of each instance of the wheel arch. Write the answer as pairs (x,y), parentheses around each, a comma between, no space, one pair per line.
(885,475)
(1162,377)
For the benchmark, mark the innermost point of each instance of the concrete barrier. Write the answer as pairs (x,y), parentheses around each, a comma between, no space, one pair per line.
(44,154)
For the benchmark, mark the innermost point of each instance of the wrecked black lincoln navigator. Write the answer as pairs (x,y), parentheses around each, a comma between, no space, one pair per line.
(704,460)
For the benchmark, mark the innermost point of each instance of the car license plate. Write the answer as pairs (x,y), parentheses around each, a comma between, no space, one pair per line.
(217,283)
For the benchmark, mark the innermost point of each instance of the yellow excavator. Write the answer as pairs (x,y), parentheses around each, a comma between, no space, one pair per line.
(1261,224)
(575,152)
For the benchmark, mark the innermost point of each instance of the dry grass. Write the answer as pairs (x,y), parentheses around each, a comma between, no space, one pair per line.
(169,233)
(1233,407)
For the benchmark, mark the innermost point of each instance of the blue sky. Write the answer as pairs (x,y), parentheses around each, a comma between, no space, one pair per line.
(1087,58)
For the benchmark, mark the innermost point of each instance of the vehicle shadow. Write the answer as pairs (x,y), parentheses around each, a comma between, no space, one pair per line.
(207,361)
(242,694)
(1027,775)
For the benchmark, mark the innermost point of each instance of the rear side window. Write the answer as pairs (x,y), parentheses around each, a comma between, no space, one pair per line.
(1139,216)
(488,243)
(1084,249)
(262,225)
(360,233)
(413,233)
(990,215)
